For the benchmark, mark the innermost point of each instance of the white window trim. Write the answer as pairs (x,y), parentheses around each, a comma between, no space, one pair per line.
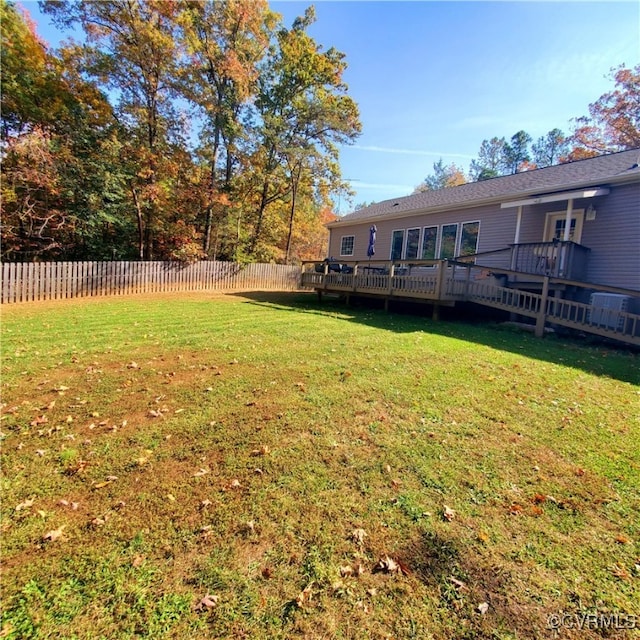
(459,242)
(578,214)
(353,245)
(404,240)
(435,251)
(442,226)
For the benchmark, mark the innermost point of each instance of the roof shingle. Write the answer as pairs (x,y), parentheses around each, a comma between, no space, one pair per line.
(599,171)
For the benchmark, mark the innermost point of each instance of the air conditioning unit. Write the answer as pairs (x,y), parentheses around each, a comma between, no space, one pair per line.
(606,310)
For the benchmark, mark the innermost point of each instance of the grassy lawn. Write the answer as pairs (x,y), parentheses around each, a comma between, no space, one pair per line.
(262,466)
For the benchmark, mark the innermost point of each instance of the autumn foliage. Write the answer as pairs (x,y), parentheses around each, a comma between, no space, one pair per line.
(170,131)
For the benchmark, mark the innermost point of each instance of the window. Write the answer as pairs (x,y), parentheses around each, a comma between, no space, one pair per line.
(429,240)
(413,244)
(469,238)
(448,240)
(346,245)
(397,240)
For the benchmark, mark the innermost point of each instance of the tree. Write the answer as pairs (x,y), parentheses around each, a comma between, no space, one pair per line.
(442,177)
(131,50)
(225,41)
(550,149)
(613,123)
(60,170)
(516,152)
(490,160)
(302,112)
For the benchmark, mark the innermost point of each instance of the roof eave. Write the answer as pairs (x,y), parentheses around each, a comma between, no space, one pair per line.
(620,179)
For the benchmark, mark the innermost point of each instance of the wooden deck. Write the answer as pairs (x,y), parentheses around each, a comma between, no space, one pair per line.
(445,282)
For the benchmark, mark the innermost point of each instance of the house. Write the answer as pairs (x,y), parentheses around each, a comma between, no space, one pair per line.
(571,230)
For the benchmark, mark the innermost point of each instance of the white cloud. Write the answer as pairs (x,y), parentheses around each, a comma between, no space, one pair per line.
(413,152)
(358,184)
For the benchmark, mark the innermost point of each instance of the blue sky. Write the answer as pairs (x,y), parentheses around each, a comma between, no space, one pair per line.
(434,79)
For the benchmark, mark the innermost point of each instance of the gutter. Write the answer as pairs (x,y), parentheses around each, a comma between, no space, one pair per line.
(531,193)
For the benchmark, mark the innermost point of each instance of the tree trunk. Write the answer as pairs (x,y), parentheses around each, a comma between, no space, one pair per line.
(295,179)
(140,222)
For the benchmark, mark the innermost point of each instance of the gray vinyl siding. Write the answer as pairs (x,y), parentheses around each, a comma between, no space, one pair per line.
(613,237)
(497,228)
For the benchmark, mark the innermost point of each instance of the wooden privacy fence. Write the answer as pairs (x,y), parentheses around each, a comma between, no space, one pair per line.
(26,282)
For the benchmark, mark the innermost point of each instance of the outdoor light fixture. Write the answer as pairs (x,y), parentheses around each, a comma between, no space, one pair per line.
(591,212)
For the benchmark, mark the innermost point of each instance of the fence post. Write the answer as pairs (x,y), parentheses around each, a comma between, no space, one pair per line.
(542,311)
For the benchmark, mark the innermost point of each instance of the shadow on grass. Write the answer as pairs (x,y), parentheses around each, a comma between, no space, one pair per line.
(462,583)
(469,324)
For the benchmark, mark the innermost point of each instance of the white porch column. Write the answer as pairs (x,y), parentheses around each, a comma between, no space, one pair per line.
(516,238)
(567,224)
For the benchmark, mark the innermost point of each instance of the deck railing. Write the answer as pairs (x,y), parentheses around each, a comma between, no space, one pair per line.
(556,259)
(448,281)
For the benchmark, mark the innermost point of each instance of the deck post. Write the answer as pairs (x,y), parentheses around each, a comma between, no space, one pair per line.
(355,277)
(392,270)
(440,277)
(542,312)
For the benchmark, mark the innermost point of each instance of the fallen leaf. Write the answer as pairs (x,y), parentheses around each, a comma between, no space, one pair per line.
(346,571)
(208,602)
(621,572)
(55,534)
(25,505)
(539,498)
(358,536)
(483,607)
(459,584)
(304,597)
(388,565)
(200,473)
(101,485)
(39,420)
(448,513)
(619,539)
(262,451)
